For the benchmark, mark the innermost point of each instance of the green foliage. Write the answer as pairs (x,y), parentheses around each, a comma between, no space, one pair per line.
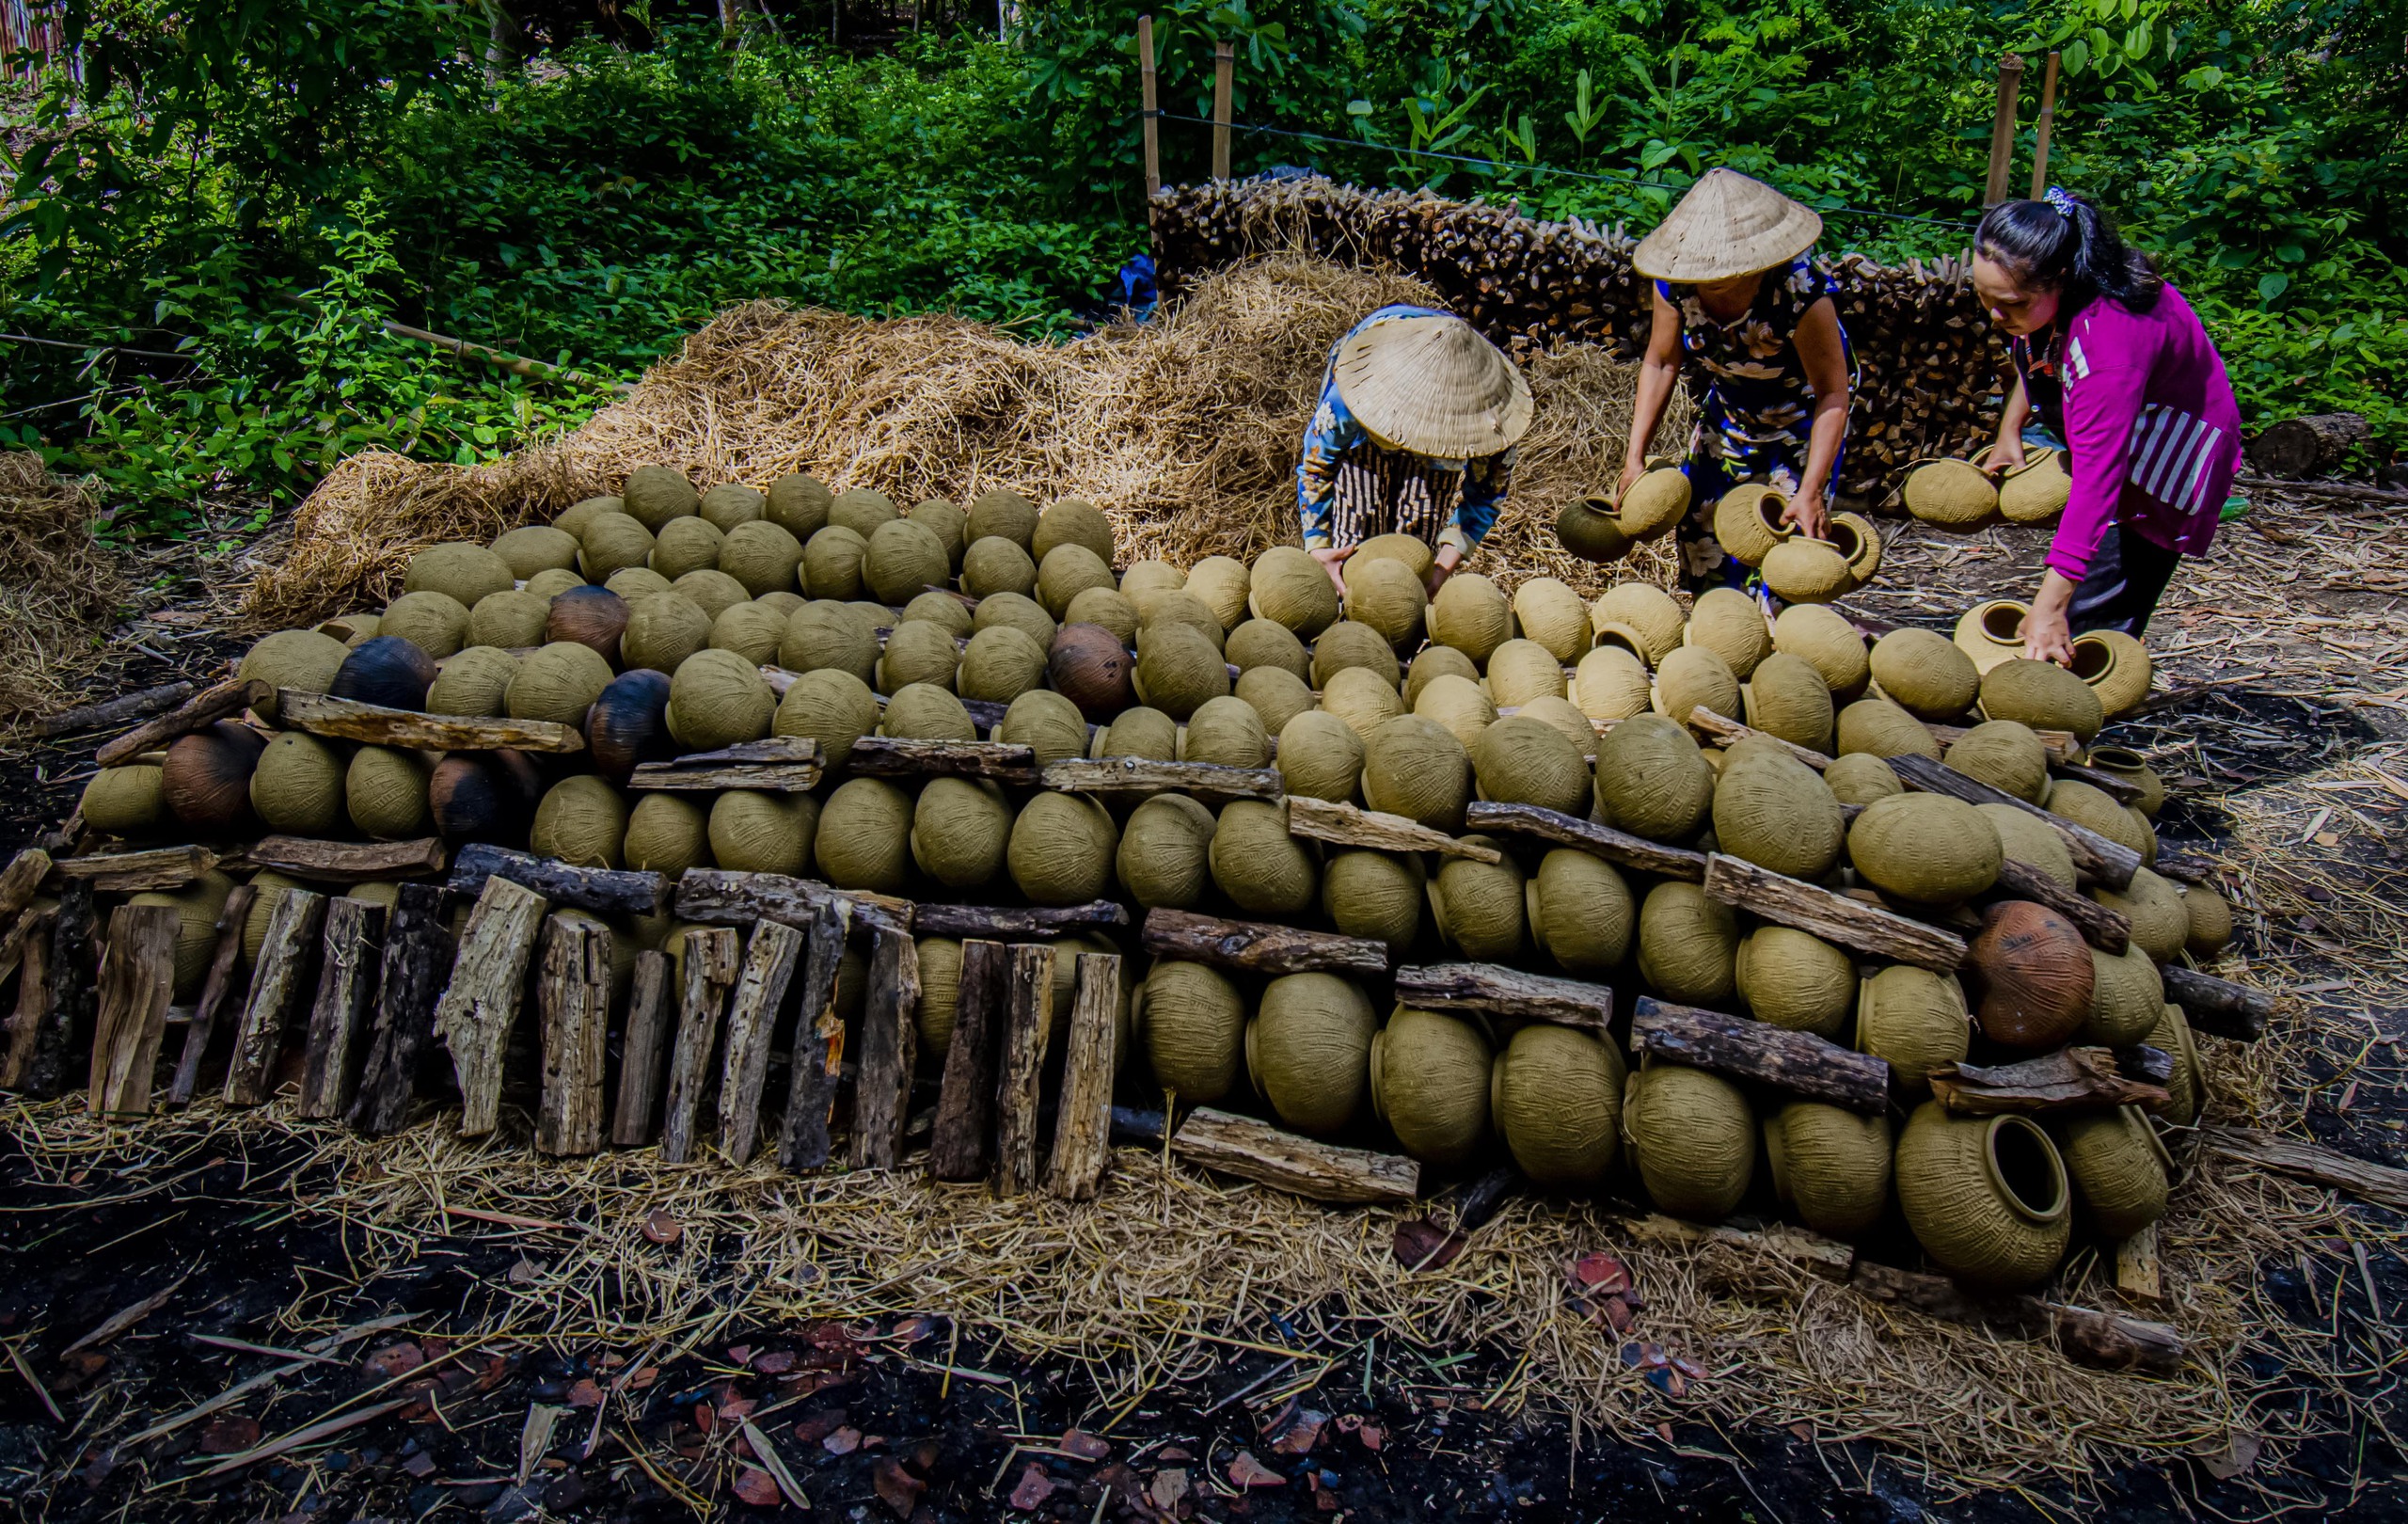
(245,192)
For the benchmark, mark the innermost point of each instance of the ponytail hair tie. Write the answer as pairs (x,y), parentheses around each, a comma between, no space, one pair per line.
(2064,203)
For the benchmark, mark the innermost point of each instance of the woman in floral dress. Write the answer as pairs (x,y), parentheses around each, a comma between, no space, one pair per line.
(1737,301)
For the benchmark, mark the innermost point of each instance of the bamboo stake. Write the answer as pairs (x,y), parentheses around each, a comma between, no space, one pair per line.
(2048,125)
(1153,126)
(1225,57)
(2010,84)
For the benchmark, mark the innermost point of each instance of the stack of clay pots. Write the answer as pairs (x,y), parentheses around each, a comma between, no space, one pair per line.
(1962,495)
(658,621)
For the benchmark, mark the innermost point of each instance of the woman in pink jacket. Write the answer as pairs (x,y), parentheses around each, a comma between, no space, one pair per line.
(2113,361)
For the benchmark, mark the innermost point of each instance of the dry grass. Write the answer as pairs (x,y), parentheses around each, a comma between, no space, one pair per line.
(59,586)
(1184,430)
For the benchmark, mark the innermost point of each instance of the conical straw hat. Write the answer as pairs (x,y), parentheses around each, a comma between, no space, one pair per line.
(1727,225)
(1434,385)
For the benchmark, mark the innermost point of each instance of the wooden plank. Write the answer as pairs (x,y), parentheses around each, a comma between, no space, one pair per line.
(199,712)
(1831,915)
(409,982)
(2106,1339)
(202,1029)
(1028,1016)
(1322,819)
(603,891)
(347,862)
(1739,1047)
(882,1086)
(1082,1119)
(355,936)
(1620,848)
(1258,1152)
(779,749)
(2056,745)
(889,756)
(1724,731)
(631,1117)
(2219,1007)
(74,990)
(1494,990)
(2109,931)
(2310,1162)
(2111,863)
(961,1146)
(771,957)
(819,1044)
(1004,922)
(115,711)
(21,880)
(137,979)
(717,896)
(294,928)
(573,1002)
(2115,786)
(1128,776)
(1259,946)
(21,932)
(33,999)
(711,971)
(349,719)
(2071,1079)
(2182,868)
(128,873)
(481,1006)
(762,776)
(2137,1274)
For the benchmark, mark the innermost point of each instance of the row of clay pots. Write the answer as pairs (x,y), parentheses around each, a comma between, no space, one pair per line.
(2115,665)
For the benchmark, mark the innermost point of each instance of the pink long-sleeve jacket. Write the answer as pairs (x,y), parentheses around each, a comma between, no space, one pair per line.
(2154,430)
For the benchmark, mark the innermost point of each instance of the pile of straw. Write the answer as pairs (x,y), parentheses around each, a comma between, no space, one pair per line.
(59,586)
(1185,430)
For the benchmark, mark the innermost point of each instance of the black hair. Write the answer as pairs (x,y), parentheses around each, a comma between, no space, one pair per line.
(2067,245)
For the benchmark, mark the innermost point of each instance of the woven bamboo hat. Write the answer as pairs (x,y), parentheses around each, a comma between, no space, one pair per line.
(1727,225)
(1434,385)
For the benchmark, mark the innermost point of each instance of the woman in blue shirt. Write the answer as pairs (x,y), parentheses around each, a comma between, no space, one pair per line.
(1414,434)
(1738,300)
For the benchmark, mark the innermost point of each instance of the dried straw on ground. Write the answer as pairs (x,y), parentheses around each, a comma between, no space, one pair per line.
(1184,430)
(57,585)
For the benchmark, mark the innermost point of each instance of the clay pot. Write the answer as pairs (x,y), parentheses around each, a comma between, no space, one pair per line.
(1913,1020)
(2119,1169)
(1747,522)
(1587,527)
(2116,667)
(1309,1050)
(2210,919)
(1787,698)
(1090,667)
(1727,622)
(1642,608)
(387,669)
(1860,542)
(1775,811)
(2031,974)
(1693,1138)
(1555,1095)
(2127,995)
(1830,1165)
(2043,695)
(206,780)
(1801,569)
(1927,675)
(1795,979)
(483,796)
(1654,503)
(1688,945)
(1952,494)
(1823,639)
(1986,1197)
(2035,491)
(2007,755)
(2186,1088)
(2127,764)
(1430,1076)
(1924,848)
(1991,632)
(590,616)
(1480,908)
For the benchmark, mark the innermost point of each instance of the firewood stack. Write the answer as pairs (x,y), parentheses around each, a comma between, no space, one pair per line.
(1930,364)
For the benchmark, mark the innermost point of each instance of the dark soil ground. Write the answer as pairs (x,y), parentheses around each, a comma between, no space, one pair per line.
(424,1428)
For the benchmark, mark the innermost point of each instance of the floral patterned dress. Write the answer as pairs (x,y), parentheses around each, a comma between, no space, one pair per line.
(1755,417)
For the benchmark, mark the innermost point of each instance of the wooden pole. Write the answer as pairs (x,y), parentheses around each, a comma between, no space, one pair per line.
(2048,125)
(818,1047)
(640,1052)
(573,1001)
(1224,59)
(416,956)
(275,986)
(1153,126)
(2010,84)
(355,938)
(1082,1122)
(1028,1016)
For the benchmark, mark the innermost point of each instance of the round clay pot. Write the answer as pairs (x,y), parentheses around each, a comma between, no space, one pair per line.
(1654,503)
(1555,1095)
(2116,667)
(1991,632)
(2127,764)
(1429,1077)
(1830,1165)
(1860,542)
(1748,521)
(1693,1138)
(2031,972)
(2119,1169)
(1952,494)
(2035,491)
(1912,1018)
(1801,570)
(1986,1197)
(1586,528)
